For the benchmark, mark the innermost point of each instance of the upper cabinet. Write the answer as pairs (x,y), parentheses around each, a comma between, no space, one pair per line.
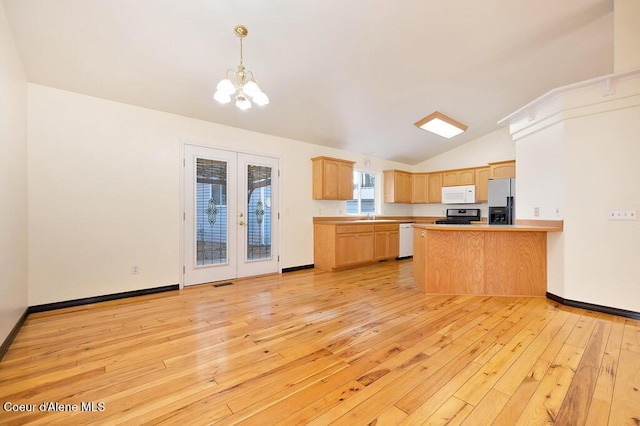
(435,187)
(426,187)
(332,178)
(482,183)
(420,188)
(459,177)
(503,169)
(398,186)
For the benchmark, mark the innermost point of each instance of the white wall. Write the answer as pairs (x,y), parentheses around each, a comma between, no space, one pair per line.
(104,193)
(540,174)
(602,174)
(13,182)
(577,149)
(496,146)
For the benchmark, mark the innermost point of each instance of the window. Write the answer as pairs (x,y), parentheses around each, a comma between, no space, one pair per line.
(364,193)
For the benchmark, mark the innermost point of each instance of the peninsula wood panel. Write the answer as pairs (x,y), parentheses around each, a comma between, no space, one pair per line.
(519,263)
(509,263)
(455,262)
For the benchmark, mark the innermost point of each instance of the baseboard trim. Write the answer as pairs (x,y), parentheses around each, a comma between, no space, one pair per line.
(97,299)
(297,268)
(12,335)
(593,307)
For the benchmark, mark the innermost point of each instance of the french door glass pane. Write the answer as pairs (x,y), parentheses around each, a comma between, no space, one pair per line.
(258,212)
(211,212)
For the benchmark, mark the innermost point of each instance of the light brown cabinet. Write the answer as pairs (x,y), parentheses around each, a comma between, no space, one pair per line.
(398,186)
(332,179)
(405,187)
(458,177)
(354,248)
(386,241)
(345,245)
(420,188)
(482,183)
(435,187)
(503,169)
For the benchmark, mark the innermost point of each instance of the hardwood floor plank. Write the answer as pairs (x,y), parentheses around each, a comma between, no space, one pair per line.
(449,362)
(603,393)
(513,377)
(544,404)
(625,407)
(516,404)
(431,406)
(575,406)
(488,409)
(631,337)
(363,346)
(493,369)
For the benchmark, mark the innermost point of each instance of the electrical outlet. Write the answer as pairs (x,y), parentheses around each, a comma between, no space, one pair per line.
(623,215)
(135,270)
(536,211)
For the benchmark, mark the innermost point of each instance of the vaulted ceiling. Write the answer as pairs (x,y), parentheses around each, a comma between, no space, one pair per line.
(350,74)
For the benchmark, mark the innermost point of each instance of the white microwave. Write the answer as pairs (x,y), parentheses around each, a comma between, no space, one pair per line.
(464,194)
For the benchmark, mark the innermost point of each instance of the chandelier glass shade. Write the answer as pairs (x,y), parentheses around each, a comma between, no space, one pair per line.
(240,84)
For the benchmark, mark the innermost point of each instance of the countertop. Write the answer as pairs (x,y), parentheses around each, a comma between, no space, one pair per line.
(361,221)
(483,227)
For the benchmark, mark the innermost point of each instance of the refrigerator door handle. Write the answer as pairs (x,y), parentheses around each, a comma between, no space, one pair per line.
(510,218)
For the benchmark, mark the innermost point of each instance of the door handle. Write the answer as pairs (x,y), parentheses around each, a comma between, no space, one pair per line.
(241,223)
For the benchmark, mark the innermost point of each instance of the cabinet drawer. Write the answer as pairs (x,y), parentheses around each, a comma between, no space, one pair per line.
(387,227)
(352,229)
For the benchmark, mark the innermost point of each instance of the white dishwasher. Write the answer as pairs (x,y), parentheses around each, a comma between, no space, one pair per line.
(406,240)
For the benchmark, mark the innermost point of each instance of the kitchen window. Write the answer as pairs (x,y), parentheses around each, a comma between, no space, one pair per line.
(364,193)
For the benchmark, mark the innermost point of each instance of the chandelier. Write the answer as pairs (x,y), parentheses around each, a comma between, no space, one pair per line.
(240,84)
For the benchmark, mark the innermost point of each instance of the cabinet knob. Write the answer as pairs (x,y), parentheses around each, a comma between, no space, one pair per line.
(241,223)
(422,234)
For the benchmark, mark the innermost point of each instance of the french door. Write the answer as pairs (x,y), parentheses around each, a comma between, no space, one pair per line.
(230,215)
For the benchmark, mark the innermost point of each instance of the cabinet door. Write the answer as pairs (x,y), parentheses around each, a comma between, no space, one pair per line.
(393,240)
(332,179)
(406,187)
(420,186)
(505,169)
(482,184)
(346,250)
(381,245)
(466,177)
(364,248)
(435,187)
(397,186)
(331,173)
(345,181)
(450,178)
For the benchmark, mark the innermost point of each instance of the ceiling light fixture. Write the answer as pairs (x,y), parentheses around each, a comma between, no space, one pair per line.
(240,83)
(441,125)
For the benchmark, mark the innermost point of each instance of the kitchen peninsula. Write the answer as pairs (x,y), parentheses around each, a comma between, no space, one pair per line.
(482,259)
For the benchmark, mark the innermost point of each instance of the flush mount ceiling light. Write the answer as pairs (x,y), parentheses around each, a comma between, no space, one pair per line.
(240,84)
(441,125)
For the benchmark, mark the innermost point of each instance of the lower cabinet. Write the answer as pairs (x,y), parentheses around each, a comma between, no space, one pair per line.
(345,245)
(352,249)
(386,241)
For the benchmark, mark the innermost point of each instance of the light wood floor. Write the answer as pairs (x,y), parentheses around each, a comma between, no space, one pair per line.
(356,347)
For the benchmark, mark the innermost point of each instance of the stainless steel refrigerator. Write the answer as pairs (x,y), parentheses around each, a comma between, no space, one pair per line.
(502,195)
